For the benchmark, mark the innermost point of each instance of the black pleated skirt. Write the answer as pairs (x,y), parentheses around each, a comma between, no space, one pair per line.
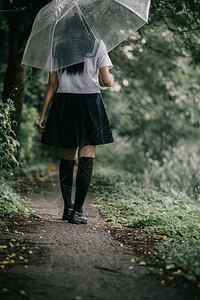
(77,120)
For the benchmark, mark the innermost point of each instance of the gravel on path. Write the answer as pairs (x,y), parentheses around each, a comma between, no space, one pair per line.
(65,261)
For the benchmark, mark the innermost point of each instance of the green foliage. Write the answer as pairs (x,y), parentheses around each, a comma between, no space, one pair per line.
(10,202)
(178,170)
(157,101)
(8,144)
(182,19)
(28,133)
(35,88)
(30,169)
(126,201)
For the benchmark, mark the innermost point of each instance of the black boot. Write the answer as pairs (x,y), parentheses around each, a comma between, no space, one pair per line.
(66,181)
(67,212)
(77,218)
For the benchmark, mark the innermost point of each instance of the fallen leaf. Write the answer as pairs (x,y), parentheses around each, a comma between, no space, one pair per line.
(142,263)
(171,266)
(133,260)
(30,251)
(3,246)
(162,282)
(4,290)
(22,292)
(130,268)
(170,277)
(160,273)
(177,272)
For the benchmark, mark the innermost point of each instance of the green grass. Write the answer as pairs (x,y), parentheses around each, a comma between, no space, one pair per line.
(177,217)
(10,201)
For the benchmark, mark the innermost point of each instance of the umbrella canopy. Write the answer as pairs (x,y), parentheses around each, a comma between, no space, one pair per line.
(66,32)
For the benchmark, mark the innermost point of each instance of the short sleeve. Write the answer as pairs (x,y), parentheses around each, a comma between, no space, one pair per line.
(103,59)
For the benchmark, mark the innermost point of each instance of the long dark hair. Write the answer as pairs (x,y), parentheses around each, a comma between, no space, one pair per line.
(75,69)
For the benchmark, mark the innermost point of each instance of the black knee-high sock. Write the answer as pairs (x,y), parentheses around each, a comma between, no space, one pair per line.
(66,180)
(84,175)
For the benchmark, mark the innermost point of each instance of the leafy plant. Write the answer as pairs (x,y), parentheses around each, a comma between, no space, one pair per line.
(10,202)
(8,143)
(28,133)
(126,201)
(178,170)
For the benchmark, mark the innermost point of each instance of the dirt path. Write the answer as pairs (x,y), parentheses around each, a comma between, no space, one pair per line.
(65,261)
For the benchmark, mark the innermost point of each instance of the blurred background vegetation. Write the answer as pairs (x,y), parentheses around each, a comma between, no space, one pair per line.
(154,107)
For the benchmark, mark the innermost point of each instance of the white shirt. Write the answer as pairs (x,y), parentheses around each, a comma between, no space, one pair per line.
(88,81)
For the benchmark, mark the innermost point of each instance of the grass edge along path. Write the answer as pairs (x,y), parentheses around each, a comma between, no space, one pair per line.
(15,189)
(128,204)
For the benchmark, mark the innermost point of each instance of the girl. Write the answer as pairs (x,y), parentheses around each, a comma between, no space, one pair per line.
(77,122)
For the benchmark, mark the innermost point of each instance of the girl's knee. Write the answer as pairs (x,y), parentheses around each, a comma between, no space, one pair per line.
(87,151)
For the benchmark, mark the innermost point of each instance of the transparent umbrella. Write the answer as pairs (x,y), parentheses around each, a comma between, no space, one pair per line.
(66,32)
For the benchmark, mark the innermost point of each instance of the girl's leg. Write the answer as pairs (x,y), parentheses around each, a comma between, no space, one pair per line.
(67,161)
(84,175)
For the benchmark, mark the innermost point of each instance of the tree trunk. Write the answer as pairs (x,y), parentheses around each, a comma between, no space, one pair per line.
(15,73)
(20,22)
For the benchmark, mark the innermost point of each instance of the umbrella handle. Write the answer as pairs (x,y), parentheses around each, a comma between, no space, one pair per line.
(103,88)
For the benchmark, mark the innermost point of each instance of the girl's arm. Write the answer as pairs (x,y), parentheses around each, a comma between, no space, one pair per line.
(106,78)
(50,90)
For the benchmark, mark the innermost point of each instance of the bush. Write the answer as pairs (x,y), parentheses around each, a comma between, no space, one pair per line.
(9,201)
(8,143)
(178,170)
(128,202)
(28,133)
